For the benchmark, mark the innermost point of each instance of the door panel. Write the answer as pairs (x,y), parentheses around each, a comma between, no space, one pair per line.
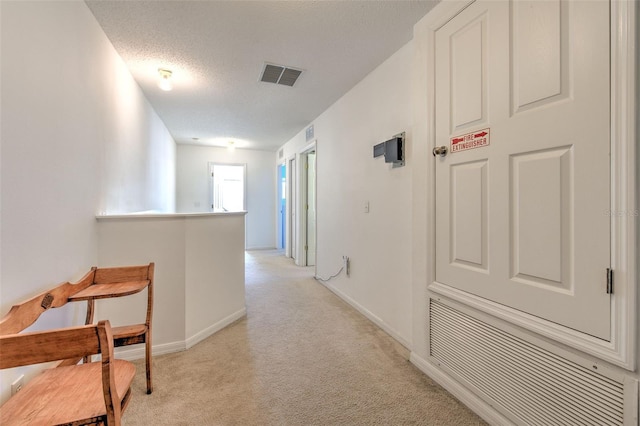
(468,215)
(541,242)
(468,51)
(540,53)
(520,219)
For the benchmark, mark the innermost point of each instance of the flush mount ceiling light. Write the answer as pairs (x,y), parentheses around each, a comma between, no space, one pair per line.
(165,79)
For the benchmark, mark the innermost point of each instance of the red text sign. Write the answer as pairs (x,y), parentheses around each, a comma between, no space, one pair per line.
(472,140)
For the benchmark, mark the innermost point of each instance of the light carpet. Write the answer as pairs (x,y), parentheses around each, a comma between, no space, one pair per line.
(301,356)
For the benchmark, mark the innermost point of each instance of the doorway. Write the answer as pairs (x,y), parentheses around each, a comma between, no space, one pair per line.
(291,247)
(282,204)
(311,209)
(228,187)
(307,222)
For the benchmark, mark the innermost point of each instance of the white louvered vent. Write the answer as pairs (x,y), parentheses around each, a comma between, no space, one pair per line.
(279,74)
(536,386)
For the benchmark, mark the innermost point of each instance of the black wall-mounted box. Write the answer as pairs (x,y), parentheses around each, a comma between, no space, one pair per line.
(394,150)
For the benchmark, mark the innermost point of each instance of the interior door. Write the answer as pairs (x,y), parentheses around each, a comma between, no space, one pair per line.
(522,106)
(311,209)
(282,204)
(291,227)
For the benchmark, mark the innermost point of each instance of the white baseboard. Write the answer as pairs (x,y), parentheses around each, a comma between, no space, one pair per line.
(138,351)
(167,348)
(201,335)
(468,398)
(373,318)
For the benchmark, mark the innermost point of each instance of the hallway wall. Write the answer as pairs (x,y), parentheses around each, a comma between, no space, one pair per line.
(193,187)
(379,242)
(78,138)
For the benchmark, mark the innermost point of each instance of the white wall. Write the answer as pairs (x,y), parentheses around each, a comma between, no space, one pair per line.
(139,153)
(78,137)
(193,187)
(379,242)
(199,275)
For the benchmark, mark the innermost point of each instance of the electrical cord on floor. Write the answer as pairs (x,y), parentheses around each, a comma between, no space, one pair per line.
(330,278)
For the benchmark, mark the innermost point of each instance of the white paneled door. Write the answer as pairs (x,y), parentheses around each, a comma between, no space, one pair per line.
(522,108)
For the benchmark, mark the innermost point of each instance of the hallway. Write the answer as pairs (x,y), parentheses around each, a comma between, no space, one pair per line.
(301,356)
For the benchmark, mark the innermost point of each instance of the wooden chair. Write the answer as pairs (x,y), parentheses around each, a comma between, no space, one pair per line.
(24,314)
(118,282)
(93,393)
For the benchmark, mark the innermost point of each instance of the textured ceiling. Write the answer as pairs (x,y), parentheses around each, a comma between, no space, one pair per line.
(217,49)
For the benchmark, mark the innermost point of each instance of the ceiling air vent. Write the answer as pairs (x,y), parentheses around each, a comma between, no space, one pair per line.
(280,74)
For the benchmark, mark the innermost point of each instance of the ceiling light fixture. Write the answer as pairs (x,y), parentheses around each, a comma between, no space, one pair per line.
(165,79)
(231,146)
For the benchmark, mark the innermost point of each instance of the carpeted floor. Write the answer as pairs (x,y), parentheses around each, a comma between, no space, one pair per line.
(301,356)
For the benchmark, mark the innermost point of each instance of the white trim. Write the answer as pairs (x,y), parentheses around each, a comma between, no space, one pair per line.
(280,224)
(311,146)
(370,316)
(623,174)
(138,353)
(621,350)
(301,200)
(468,398)
(292,195)
(214,328)
(168,348)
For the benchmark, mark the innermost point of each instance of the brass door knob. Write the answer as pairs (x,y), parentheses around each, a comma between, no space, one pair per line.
(440,150)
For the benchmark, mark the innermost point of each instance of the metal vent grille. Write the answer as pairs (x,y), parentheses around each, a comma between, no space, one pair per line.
(281,153)
(280,74)
(289,76)
(532,384)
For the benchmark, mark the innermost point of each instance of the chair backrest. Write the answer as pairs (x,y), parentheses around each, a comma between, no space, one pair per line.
(26,313)
(36,347)
(123,274)
(129,273)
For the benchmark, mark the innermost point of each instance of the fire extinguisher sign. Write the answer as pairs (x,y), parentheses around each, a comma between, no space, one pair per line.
(472,140)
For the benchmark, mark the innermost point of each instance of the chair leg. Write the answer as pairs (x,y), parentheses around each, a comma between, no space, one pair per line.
(148,362)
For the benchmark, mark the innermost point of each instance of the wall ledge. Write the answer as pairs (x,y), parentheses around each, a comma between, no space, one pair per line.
(150,215)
